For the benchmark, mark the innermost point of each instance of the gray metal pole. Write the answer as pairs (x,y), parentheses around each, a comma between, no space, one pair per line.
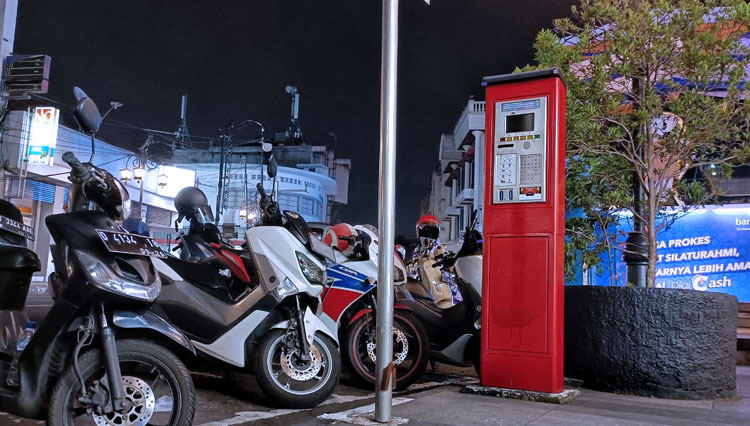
(387,199)
(220,193)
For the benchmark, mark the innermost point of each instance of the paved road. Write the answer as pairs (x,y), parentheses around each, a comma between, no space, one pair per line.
(436,401)
(236,400)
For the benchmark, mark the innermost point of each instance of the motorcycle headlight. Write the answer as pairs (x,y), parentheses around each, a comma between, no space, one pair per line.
(310,270)
(286,288)
(105,278)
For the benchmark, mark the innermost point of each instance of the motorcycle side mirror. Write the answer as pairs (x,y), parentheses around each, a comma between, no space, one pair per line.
(272,167)
(87,115)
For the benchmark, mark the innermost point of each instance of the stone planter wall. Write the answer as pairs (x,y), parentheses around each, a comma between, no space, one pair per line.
(653,342)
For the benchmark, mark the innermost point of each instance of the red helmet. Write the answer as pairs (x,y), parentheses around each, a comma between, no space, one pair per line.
(428,226)
(333,237)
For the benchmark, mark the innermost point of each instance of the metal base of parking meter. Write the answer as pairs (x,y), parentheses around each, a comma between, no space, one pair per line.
(387,197)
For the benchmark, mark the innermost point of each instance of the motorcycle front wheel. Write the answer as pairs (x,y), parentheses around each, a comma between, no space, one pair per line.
(411,349)
(158,389)
(290,381)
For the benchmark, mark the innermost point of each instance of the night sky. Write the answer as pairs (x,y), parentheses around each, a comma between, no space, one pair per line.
(234,58)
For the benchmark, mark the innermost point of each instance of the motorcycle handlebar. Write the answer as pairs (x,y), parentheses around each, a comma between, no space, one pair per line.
(261,191)
(78,170)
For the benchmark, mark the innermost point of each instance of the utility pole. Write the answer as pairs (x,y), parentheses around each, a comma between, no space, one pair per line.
(224,166)
(294,133)
(220,193)
(183,135)
(8,12)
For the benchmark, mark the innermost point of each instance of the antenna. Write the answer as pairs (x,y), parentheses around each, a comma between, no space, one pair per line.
(294,133)
(182,135)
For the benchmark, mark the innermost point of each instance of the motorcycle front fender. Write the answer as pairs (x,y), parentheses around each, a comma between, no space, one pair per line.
(149,320)
(313,324)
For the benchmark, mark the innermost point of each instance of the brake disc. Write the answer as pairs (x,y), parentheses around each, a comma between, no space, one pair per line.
(303,372)
(141,400)
(398,357)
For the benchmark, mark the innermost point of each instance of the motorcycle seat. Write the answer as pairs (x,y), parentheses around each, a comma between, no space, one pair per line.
(18,257)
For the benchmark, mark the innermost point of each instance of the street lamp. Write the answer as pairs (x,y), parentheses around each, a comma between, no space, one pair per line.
(126,175)
(162,180)
(139,173)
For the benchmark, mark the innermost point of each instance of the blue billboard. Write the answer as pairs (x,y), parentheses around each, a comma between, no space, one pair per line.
(708,249)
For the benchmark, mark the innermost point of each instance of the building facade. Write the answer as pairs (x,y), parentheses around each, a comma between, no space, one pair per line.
(456,189)
(38,184)
(310,180)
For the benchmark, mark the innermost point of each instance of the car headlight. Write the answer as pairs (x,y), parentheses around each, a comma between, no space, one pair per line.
(286,288)
(310,270)
(105,278)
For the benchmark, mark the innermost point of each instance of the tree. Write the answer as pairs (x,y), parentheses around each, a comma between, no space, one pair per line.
(655,91)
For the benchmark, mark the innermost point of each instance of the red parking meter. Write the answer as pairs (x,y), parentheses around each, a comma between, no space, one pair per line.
(524,213)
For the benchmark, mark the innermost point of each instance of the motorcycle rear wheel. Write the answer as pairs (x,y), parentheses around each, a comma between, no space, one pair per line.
(148,370)
(410,345)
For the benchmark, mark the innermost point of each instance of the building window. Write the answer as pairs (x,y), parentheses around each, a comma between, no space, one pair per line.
(289,202)
(306,206)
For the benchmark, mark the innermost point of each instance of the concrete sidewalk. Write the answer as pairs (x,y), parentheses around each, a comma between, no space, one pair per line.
(449,407)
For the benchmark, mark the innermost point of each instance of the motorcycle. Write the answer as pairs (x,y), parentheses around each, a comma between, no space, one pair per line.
(73,370)
(350,302)
(255,309)
(445,294)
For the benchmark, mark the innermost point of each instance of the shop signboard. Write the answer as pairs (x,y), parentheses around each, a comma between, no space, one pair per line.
(43,135)
(708,249)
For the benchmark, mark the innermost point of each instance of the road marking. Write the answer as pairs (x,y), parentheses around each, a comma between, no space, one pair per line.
(362,415)
(452,381)
(251,416)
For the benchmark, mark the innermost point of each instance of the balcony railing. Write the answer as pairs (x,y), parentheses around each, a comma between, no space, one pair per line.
(472,118)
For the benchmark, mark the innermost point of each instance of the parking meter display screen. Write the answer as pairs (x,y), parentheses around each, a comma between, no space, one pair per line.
(519,123)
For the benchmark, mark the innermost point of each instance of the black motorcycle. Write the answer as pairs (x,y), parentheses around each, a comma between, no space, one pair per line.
(453,324)
(74,370)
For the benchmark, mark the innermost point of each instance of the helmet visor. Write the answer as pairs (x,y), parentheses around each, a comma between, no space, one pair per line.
(204,214)
(429,231)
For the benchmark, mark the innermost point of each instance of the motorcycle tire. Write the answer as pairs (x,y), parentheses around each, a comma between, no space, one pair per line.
(359,343)
(143,364)
(287,380)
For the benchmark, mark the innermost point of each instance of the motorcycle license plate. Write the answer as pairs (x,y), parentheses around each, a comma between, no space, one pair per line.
(123,242)
(18,228)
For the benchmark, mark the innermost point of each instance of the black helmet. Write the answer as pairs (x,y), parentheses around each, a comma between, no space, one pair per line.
(191,203)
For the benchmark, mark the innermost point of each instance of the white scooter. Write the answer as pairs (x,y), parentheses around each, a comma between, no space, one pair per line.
(255,309)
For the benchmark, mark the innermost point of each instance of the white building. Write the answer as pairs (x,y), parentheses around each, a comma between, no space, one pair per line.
(456,184)
(310,180)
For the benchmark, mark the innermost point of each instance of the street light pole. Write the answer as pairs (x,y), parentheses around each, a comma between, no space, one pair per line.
(143,163)
(386,203)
